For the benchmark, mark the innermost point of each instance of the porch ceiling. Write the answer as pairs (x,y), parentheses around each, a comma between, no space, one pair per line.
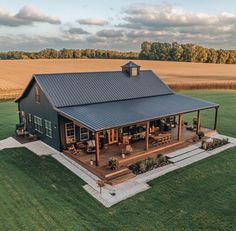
(120,113)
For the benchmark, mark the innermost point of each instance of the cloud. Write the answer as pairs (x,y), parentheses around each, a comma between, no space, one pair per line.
(110,33)
(167,23)
(76,30)
(167,16)
(27,15)
(93,21)
(163,23)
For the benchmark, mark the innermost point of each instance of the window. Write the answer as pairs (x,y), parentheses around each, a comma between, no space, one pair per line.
(48,128)
(70,133)
(134,71)
(38,126)
(37,94)
(30,120)
(84,134)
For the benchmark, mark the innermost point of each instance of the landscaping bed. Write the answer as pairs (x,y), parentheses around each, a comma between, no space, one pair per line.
(149,164)
(212,143)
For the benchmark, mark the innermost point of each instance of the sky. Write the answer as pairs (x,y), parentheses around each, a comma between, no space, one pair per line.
(117,25)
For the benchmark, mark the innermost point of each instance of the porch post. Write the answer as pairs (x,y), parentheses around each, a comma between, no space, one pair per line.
(198,122)
(179,127)
(97,147)
(216,116)
(147,136)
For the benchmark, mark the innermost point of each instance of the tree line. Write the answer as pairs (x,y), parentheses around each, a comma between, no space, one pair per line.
(149,51)
(69,54)
(185,53)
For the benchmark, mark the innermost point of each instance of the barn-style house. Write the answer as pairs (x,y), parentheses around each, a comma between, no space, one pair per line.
(128,114)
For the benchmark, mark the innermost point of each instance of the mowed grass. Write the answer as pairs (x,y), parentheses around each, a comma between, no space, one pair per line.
(8,119)
(37,193)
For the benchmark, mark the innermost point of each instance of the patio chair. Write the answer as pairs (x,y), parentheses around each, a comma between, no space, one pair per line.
(91,148)
(72,150)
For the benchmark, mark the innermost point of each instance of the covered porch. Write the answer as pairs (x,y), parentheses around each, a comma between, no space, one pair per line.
(131,130)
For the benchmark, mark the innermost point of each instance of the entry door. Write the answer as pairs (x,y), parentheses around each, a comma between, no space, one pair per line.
(112,136)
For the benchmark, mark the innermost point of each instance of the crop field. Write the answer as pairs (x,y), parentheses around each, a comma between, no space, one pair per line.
(15,74)
(37,193)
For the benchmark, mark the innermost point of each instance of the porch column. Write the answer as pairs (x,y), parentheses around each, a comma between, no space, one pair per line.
(216,116)
(97,147)
(198,122)
(179,127)
(147,136)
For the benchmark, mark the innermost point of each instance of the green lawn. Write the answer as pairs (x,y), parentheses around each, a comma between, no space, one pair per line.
(8,119)
(37,193)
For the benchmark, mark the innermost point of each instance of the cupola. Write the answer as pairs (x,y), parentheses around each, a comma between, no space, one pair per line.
(131,68)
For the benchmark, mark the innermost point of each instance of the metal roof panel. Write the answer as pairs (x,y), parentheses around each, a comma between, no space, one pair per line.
(115,114)
(70,89)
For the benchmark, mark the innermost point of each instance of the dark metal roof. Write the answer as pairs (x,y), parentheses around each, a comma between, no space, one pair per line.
(70,89)
(114,114)
(130,64)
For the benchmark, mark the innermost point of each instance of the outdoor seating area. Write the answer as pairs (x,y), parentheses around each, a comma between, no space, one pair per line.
(24,136)
(129,151)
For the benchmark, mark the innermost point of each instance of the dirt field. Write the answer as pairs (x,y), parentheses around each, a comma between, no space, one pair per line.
(15,74)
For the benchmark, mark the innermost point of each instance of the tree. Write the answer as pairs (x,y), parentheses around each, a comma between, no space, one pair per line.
(223,55)
(176,52)
(232,57)
(212,56)
(145,50)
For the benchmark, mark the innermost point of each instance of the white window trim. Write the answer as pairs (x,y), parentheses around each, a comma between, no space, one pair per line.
(84,133)
(71,136)
(36,118)
(48,128)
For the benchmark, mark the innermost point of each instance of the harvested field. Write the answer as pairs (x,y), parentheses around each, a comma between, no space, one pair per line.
(15,74)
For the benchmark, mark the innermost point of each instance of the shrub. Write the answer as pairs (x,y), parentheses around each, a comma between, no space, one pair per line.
(150,163)
(213,143)
(162,160)
(142,166)
(113,163)
(159,155)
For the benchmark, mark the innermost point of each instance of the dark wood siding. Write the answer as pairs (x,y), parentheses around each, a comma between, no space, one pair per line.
(43,110)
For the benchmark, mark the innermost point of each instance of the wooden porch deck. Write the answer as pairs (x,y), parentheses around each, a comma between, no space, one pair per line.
(138,153)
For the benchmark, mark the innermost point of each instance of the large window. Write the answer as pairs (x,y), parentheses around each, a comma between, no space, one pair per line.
(37,94)
(48,128)
(84,134)
(38,126)
(70,133)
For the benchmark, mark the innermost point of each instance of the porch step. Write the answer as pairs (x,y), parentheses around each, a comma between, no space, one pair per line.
(117,173)
(121,179)
(183,151)
(119,176)
(186,155)
(192,159)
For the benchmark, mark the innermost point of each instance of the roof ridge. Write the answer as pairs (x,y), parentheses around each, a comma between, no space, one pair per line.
(86,72)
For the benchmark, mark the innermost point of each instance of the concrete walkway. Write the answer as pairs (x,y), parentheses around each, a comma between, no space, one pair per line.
(111,195)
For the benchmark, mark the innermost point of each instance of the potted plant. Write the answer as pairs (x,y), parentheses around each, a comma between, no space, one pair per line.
(200,135)
(113,163)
